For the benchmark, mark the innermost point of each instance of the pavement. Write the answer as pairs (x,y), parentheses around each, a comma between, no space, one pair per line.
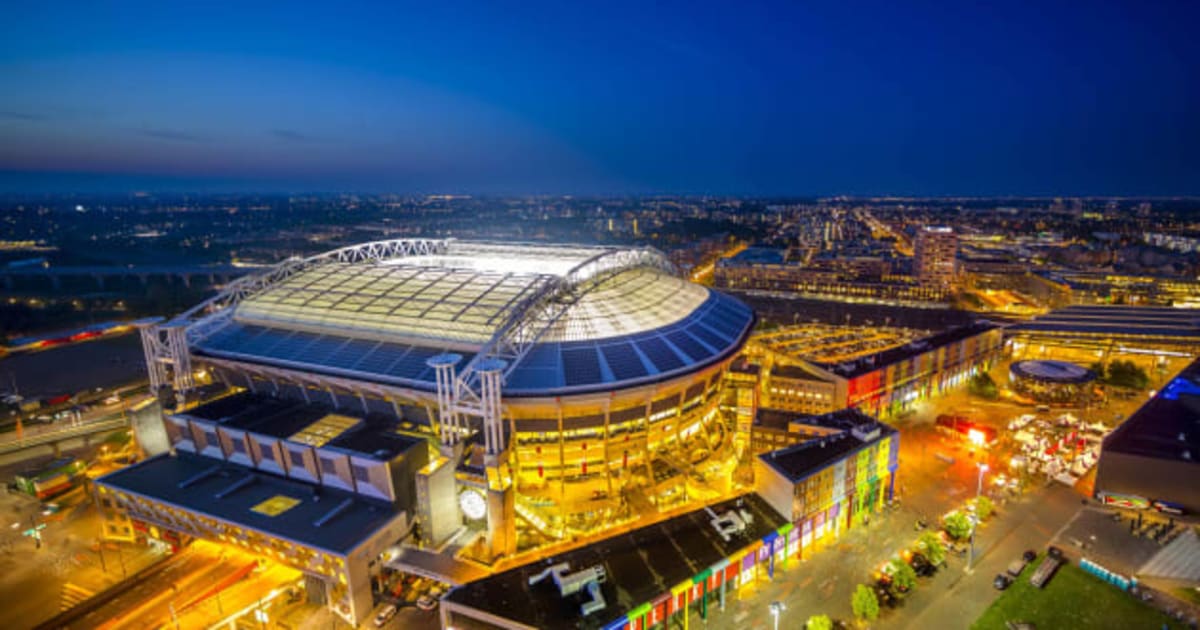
(34,581)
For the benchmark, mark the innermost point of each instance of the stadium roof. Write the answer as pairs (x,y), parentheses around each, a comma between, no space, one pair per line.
(592,318)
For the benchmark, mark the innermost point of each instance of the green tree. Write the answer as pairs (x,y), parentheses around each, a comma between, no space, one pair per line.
(983,386)
(984,507)
(957,525)
(931,544)
(904,578)
(864,603)
(1127,374)
(819,622)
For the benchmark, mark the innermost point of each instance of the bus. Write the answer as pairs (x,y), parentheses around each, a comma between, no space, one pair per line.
(51,479)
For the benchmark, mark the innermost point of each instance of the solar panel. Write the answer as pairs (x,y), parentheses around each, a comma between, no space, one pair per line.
(581,366)
(660,354)
(542,356)
(296,346)
(380,359)
(723,326)
(623,360)
(708,336)
(320,350)
(412,364)
(689,345)
(349,354)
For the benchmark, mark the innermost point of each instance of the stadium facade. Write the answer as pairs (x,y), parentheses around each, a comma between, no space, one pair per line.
(555,391)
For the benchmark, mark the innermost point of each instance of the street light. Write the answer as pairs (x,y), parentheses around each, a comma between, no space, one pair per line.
(983,468)
(776,609)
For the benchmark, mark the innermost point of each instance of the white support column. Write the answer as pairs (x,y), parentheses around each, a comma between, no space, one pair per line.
(443,366)
(181,360)
(151,349)
(491,372)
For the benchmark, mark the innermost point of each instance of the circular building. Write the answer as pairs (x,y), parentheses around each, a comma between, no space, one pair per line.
(1051,381)
(586,379)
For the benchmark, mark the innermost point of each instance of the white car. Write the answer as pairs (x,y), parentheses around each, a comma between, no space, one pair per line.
(385,615)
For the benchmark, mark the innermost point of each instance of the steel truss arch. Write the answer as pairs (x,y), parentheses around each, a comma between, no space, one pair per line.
(530,320)
(215,311)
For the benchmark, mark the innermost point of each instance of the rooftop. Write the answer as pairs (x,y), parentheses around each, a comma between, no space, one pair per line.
(911,349)
(630,322)
(1119,321)
(857,430)
(756,256)
(639,565)
(315,424)
(211,487)
(1168,425)
(1052,371)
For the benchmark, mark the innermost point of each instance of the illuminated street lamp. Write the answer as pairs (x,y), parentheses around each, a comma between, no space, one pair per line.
(983,468)
(776,609)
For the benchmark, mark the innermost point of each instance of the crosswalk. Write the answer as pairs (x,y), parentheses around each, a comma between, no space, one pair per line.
(73,595)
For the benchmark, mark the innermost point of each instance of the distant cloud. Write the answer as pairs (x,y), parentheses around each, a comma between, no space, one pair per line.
(22,116)
(171,134)
(291,135)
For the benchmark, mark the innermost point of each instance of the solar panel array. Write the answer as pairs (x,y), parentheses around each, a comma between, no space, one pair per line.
(388,362)
(707,333)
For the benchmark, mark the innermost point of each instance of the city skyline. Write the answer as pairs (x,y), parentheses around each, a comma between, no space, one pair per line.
(767,100)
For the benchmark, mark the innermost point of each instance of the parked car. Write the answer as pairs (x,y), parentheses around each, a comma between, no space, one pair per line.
(885,597)
(385,615)
(427,603)
(1001,582)
(921,565)
(1029,555)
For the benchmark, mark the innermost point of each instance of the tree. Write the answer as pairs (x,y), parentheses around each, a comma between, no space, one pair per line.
(957,525)
(984,507)
(1127,374)
(983,386)
(931,544)
(864,603)
(904,578)
(819,622)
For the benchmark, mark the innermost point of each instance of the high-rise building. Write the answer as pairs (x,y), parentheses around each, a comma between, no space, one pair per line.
(936,249)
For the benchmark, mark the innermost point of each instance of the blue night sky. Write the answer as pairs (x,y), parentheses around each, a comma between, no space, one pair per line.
(938,98)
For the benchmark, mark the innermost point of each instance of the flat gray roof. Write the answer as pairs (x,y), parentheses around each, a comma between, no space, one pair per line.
(207,486)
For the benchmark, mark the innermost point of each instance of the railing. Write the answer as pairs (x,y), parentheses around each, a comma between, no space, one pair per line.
(31,438)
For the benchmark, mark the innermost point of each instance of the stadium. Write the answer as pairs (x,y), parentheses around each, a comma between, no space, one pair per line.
(563,389)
